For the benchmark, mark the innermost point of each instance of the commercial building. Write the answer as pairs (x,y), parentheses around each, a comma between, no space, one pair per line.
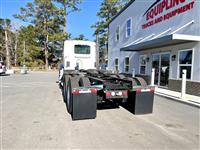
(163,35)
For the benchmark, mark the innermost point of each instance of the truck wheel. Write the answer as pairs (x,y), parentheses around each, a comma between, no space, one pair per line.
(84,81)
(102,71)
(72,83)
(134,82)
(141,81)
(113,76)
(75,81)
(121,76)
(93,71)
(64,90)
(69,97)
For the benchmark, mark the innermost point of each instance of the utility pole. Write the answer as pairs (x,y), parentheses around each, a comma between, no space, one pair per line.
(7,51)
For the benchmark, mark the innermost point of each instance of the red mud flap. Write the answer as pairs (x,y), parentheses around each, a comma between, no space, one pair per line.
(84,103)
(141,100)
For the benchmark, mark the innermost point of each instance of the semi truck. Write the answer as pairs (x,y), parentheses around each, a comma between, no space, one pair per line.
(79,54)
(84,88)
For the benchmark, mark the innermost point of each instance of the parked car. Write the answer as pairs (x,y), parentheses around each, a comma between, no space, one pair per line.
(2,68)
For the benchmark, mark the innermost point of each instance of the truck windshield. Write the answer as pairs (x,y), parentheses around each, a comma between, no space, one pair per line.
(82,49)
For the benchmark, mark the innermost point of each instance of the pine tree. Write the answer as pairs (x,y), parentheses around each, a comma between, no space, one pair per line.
(81,37)
(28,49)
(108,9)
(69,6)
(48,21)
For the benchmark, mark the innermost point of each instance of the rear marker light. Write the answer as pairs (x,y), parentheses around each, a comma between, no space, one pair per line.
(93,90)
(84,91)
(75,92)
(108,94)
(138,90)
(125,93)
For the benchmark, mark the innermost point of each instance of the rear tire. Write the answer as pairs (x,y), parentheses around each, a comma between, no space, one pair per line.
(141,81)
(72,83)
(69,97)
(75,81)
(84,81)
(64,89)
(121,76)
(134,82)
(113,76)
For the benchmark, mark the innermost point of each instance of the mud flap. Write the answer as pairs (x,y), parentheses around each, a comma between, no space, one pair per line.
(141,102)
(84,106)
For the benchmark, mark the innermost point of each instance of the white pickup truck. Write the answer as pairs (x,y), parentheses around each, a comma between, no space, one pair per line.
(2,68)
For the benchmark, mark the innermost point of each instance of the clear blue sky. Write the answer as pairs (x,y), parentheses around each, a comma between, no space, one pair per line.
(78,22)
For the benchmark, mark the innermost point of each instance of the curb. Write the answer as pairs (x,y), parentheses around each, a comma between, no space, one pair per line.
(177,99)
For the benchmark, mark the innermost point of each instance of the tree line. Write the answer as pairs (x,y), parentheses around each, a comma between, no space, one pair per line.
(40,42)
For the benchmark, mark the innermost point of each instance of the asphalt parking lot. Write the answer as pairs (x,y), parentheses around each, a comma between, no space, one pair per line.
(33,116)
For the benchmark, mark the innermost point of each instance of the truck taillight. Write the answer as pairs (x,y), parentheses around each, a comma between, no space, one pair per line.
(75,92)
(93,90)
(78,91)
(108,94)
(125,93)
(138,90)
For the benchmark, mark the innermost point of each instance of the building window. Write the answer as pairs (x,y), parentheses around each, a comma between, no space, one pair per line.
(128,28)
(143,63)
(116,64)
(117,34)
(185,63)
(126,64)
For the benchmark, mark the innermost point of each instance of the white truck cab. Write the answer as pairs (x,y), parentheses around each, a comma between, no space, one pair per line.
(79,54)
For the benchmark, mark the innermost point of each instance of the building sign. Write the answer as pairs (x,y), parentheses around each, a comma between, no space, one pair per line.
(163,10)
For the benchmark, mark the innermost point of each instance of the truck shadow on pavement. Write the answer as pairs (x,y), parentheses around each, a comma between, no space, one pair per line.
(4,75)
(102,106)
(107,105)
(128,107)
